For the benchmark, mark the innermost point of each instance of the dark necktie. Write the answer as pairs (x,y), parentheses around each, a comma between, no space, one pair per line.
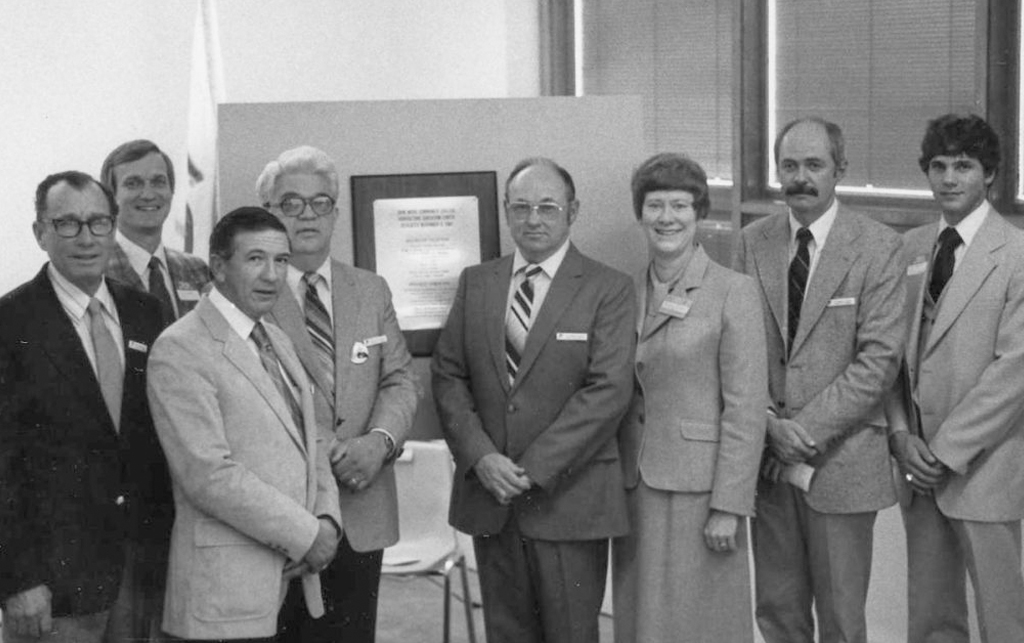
(518,320)
(799,269)
(268,357)
(109,371)
(158,289)
(321,332)
(942,269)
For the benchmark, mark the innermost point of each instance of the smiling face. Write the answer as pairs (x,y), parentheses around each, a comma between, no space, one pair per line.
(310,234)
(143,193)
(254,275)
(670,223)
(807,171)
(538,235)
(81,259)
(959,185)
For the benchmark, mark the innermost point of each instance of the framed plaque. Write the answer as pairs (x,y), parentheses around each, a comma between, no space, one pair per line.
(419,231)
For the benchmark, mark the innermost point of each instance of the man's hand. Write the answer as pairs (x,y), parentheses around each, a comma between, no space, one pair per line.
(789,441)
(357,461)
(29,613)
(916,460)
(502,477)
(321,553)
(771,468)
(720,531)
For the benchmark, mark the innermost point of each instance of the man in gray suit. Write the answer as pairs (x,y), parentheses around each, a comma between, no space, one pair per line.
(959,435)
(832,293)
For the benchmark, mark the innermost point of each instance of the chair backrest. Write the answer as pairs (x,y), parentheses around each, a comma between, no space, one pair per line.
(424,478)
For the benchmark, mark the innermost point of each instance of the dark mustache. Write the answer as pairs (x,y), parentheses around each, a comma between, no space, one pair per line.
(801,188)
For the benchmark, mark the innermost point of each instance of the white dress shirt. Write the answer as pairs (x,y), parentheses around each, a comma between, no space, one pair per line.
(76,303)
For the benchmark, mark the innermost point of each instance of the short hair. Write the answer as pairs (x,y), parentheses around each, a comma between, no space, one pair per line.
(525,164)
(79,181)
(670,171)
(244,219)
(956,134)
(128,152)
(304,159)
(836,142)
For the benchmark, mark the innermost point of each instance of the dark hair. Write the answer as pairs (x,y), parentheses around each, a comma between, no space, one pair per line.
(245,219)
(955,134)
(521,166)
(670,171)
(128,152)
(77,180)
(836,142)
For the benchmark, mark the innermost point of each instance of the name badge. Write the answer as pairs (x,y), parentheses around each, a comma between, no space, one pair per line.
(190,294)
(675,306)
(137,346)
(841,301)
(571,337)
(360,353)
(373,341)
(917,268)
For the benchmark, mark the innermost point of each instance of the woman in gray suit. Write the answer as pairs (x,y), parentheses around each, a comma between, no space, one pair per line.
(691,442)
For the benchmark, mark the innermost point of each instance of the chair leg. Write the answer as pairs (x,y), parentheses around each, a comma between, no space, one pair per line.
(467,601)
(447,608)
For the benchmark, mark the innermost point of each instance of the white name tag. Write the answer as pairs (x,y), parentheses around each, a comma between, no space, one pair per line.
(571,337)
(188,295)
(675,306)
(917,268)
(373,341)
(137,346)
(841,301)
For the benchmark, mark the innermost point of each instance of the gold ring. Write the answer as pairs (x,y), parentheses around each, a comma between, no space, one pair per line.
(909,477)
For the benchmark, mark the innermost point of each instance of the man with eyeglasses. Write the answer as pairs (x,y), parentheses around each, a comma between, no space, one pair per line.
(141,177)
(343,325)
(81,471)
(531,375)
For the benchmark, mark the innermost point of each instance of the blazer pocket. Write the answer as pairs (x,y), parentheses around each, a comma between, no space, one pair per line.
(236,577)
(699,431)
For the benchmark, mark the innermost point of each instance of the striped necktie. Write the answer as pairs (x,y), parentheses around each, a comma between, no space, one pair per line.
(518,320)
(109,371)
(799,269)
(268,357)
(321,331)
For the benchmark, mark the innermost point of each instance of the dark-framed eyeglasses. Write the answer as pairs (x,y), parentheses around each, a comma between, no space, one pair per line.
(69,228)
(294,206)
(522,209)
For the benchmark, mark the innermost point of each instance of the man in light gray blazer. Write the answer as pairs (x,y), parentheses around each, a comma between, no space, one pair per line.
(959,430)
(343,325)
(255,502)
(832,293)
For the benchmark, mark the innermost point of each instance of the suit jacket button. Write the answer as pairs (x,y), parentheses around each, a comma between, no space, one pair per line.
(782,360)
(120,500)
(511,408)
(781,404)
(640,418)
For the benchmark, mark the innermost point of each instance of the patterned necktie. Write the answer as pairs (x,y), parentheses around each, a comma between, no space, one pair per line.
(273,367)
(318,323)
(942,269)
(518,320)
(158,289)
(799,269)
(109,371)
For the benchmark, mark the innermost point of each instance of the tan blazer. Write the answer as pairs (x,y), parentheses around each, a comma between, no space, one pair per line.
(845,355)
(969,380)
(698,422)
(381,392)
(248,483)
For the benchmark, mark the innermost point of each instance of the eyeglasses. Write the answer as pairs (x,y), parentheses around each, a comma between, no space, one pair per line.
(70,228)
(522,209)
(294,206)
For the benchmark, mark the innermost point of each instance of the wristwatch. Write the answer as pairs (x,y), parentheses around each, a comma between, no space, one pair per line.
(389,443)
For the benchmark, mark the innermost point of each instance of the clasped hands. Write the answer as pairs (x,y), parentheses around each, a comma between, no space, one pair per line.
(922,469)
(320,553)
(789,443)
(502,477)
(357,461)
(29,613)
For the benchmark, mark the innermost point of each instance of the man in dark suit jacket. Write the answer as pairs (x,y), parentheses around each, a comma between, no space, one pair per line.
(141,177)
(81,471)
(532,374)
(832,293)
(343,325)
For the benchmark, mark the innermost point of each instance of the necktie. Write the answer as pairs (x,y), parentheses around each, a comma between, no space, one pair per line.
(108,362)
(942,269)
(318,323)
(158,289)
(799,269)
(273,367)
(518,320)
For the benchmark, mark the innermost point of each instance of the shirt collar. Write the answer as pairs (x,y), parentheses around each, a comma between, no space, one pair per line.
(819,228)
(242,323)
(295,276)
(549,265)
(138,256)
(74,300)
(969,225)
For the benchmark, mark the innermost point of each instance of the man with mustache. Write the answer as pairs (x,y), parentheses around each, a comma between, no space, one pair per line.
(832,293)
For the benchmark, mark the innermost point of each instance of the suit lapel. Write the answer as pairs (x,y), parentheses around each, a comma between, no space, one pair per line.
(288,316)
(919,248)
(689,281)
(496,286)
(346,302)
(135,338)
(771,256)
(122,269)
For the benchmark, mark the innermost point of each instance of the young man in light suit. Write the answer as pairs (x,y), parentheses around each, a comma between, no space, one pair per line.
(532,374)
(256,505)
(343,325)
(959,432)
(141,177)
(832,293)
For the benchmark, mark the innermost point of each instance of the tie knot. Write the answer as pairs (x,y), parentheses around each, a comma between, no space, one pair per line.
(311,279)
(95,307)
(154,263)
(804,236)
(950,237)
(259,335)
(531,270)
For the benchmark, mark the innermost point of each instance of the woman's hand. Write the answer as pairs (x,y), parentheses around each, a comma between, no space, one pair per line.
(720,531)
